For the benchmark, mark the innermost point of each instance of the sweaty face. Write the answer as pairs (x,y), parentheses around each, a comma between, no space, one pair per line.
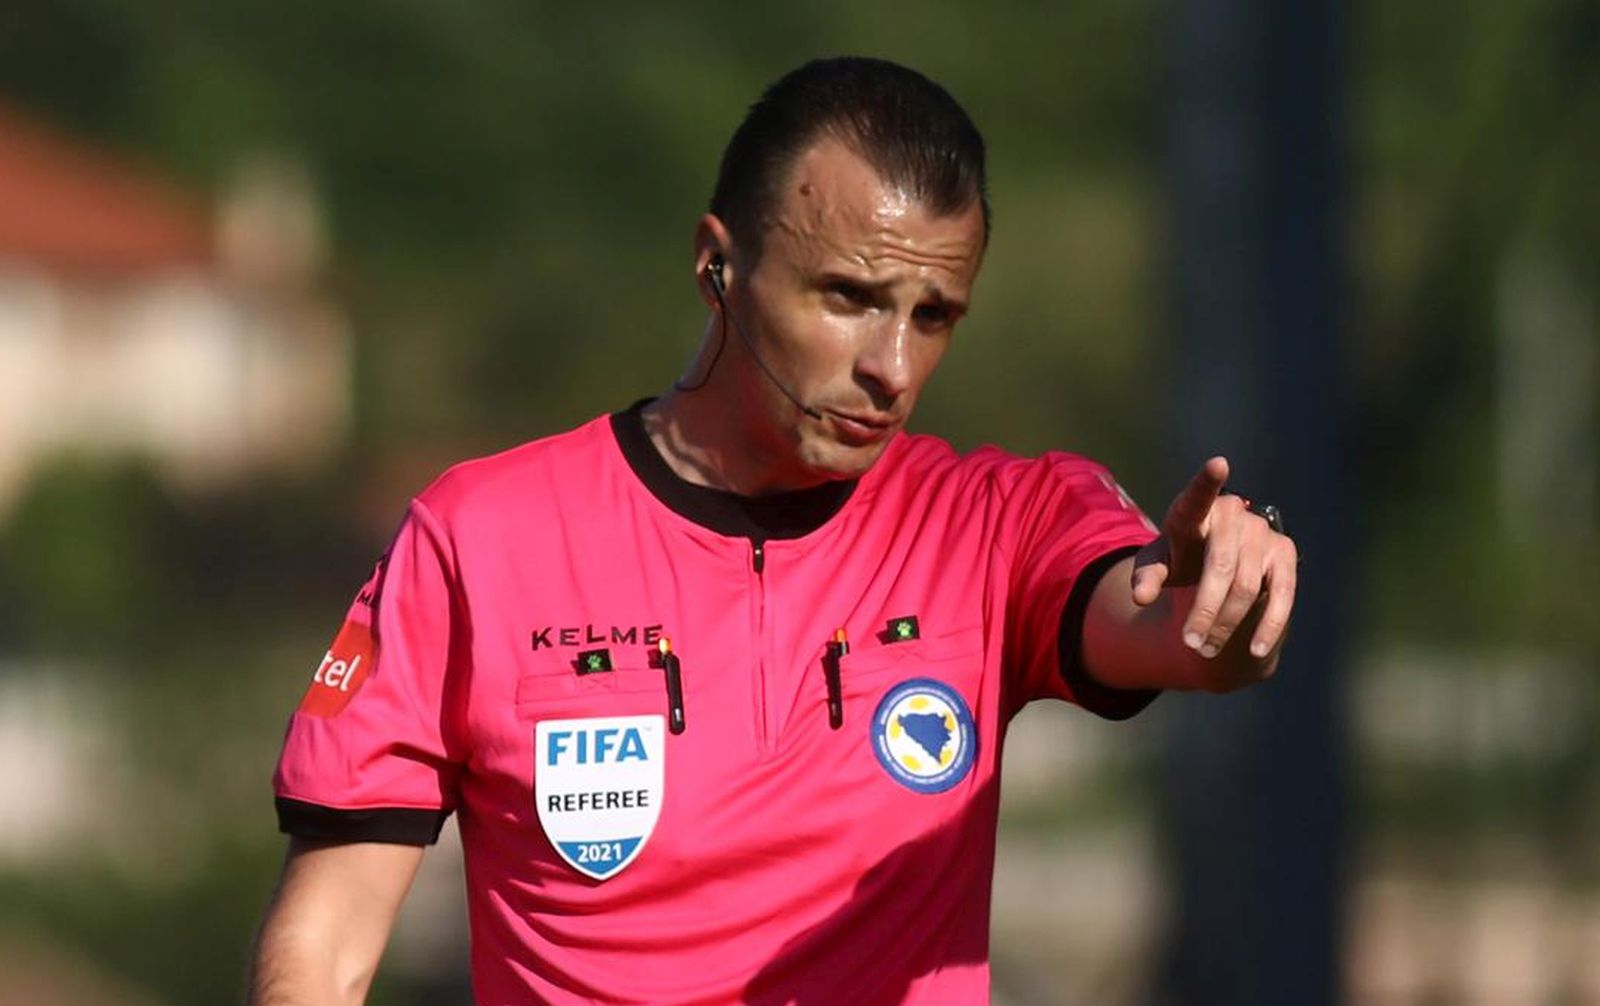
(852,304)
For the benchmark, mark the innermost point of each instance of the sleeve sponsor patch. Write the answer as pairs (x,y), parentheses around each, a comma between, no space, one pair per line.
(343,670)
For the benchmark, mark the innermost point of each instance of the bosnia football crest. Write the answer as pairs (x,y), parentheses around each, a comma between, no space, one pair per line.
(598,785)
(923,735)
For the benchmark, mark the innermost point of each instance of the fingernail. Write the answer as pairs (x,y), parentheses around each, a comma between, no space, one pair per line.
(1192,640)
(1258,649)
(1209,650)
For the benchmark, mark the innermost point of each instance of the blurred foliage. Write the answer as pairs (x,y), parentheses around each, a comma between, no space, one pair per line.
(192,608)
(1480,140)
(183,942)
(81,569)
(1475,144)
(511,190)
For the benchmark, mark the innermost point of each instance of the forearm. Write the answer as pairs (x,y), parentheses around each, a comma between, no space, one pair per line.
(299,965)
(1126,645)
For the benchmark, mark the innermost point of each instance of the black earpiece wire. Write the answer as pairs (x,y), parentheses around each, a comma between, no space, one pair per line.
(714,277)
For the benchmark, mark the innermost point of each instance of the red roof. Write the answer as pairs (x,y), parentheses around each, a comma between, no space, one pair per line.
(67,205)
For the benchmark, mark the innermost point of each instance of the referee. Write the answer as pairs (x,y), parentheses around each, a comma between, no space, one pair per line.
(716,684)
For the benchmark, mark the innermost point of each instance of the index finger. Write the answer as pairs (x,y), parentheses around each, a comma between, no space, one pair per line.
(1193,505)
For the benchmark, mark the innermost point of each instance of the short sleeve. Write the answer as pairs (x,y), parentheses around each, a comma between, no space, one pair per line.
(1073,523)
(370,753)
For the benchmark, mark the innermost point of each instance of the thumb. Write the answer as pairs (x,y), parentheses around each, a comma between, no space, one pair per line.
(1151,566)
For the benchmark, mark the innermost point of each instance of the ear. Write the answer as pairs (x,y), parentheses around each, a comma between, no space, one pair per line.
(711,240)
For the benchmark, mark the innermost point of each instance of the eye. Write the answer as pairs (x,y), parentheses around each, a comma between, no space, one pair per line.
(933,316)
(846,293)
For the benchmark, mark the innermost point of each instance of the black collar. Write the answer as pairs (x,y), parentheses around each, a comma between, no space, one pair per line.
(779,515)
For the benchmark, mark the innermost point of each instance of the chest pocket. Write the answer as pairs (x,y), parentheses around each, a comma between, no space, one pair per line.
(565,693)
(867,672)
(923,703)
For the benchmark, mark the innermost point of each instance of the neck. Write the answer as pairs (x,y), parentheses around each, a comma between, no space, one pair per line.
(692,433)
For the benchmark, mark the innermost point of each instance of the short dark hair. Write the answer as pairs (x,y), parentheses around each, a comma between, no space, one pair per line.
(912,132)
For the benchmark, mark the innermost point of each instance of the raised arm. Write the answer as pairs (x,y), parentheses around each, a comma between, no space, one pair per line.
(1205,606)
(328,922)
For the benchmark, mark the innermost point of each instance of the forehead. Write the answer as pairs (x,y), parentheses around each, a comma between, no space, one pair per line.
(834,210)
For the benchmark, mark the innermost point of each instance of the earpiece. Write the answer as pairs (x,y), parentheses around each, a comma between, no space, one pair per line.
(714,275)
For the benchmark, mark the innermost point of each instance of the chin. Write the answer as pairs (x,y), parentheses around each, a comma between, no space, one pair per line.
(835,461)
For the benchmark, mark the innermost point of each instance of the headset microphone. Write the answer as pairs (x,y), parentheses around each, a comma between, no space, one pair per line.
(714,275)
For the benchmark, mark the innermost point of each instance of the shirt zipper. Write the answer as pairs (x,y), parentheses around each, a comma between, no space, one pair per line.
(758,563)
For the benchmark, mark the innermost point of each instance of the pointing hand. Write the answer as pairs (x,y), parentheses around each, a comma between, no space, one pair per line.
(1243,571)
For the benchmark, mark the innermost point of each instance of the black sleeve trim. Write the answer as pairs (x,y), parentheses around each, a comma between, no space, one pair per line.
(1110,703)
(398,825)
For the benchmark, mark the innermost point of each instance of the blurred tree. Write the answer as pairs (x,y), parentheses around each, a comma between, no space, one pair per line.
(81,564)
(1469,145)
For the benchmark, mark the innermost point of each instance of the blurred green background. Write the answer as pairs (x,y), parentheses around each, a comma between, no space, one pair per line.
(495,205)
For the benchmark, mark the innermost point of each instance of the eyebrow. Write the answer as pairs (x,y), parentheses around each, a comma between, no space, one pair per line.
(954,305)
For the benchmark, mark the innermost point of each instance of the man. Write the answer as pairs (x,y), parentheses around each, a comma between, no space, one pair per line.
(717,685)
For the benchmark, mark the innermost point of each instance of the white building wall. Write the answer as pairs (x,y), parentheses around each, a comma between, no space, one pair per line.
(30,357)
(176,368)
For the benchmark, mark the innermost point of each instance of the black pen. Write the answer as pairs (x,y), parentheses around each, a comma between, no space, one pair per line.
(669,663)
(838,646)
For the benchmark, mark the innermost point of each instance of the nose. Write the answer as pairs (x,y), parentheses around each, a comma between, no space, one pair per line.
(884,364)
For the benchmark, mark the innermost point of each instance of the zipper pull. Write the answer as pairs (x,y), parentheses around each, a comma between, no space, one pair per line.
(758,554)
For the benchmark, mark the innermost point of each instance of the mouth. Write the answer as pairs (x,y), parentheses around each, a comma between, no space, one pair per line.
(861,429)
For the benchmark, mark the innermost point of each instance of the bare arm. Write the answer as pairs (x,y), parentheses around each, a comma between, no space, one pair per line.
(1205,606)
(328,922)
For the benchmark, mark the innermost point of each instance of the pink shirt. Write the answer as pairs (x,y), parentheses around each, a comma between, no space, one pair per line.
(504,663)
